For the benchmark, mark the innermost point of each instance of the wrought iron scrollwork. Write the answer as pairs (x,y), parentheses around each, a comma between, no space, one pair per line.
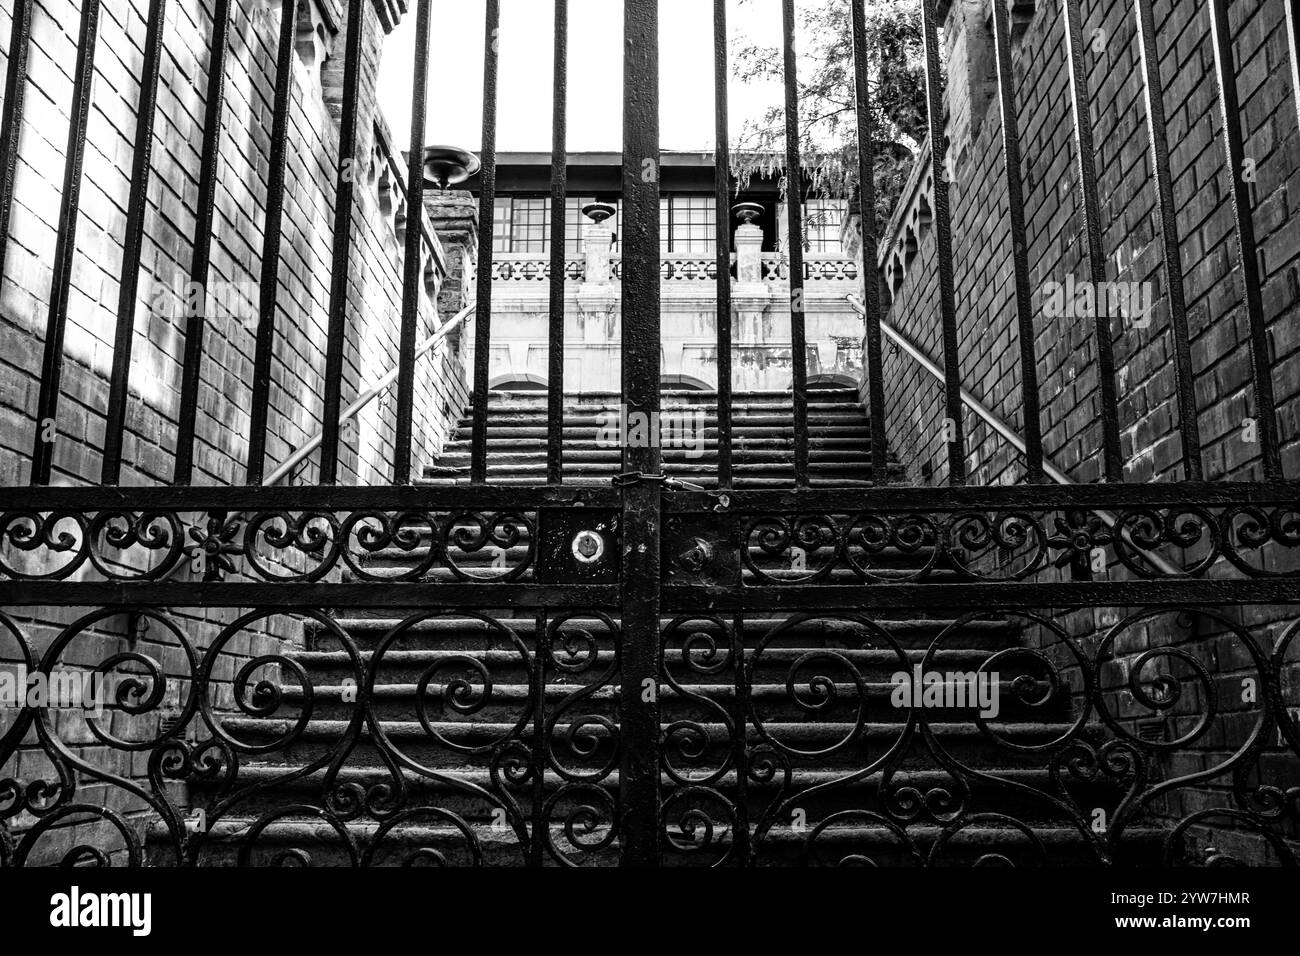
(277,546)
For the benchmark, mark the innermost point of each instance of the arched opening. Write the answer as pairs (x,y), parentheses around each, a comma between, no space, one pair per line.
(687,383)
(832,380)
(828,380)
(518,382)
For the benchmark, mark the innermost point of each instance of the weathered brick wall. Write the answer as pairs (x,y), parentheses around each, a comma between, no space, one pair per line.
(1064,348)
(375,292)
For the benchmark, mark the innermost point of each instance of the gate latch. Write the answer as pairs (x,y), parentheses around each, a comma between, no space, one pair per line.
(629,478)
(635,478)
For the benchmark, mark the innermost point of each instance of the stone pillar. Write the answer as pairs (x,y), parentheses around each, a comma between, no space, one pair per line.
(454,216)
(751,297)
(749,257)
(597,296)
(597,238)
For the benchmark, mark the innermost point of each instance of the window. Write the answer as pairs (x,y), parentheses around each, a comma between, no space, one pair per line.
(501,225)
(530,226)
(688,225)
(822,220)
(523,224)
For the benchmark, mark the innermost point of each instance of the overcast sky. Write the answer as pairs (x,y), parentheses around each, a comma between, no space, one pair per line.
(595,73)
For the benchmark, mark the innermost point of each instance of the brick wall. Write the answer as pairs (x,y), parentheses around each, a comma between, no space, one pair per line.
(379,224)
(1064,348)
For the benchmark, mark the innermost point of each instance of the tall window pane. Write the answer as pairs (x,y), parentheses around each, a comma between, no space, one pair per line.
(822,221)
(501,224)
(686,225)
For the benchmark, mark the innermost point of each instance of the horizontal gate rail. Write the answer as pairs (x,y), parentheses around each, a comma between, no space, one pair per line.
(302,596)
(676,598)
(303,498)
(994,497)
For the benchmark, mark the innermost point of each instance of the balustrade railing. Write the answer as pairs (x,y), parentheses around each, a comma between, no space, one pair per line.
(536,268)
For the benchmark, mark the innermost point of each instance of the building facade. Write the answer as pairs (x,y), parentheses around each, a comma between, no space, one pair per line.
(593,267)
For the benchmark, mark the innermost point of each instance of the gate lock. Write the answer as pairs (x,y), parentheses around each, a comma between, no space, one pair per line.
(579,546)
(588,546)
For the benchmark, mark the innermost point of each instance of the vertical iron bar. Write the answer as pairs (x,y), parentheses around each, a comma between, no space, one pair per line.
(350,169)
(1112,464)
(129,281)
(486,214)
(537,846)
(559,186)
(870,253)
(47,404)
(1185,379)
(794,208)
(722,200)
(271,231)
(1019,244)
(412,266)
(739,716)
(1293,48)
(11,121)
(639,777)
(954,430)
(1234,146)
(201,259)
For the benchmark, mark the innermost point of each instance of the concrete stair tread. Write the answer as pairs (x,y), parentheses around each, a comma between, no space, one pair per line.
(335,729)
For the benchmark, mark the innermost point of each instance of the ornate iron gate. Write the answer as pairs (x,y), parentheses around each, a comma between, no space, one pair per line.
(601,604)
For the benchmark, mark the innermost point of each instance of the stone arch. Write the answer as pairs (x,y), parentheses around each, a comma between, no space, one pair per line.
(684,381)
(517,382)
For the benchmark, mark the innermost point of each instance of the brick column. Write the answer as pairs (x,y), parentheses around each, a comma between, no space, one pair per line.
(454,215)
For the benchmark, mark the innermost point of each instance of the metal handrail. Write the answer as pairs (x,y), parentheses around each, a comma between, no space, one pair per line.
(368,396)
(1006,431)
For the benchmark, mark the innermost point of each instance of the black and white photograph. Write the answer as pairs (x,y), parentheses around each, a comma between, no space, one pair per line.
(677,435)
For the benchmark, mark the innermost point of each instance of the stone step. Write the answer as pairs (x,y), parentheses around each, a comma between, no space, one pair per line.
(457,633)
(849,430)
(591,421)
(685,470)
(691,700)
(491,562)
(676,398)
(811,744)
(741,482)
(770,668)
(740,444)
(684,459)
(315,842)
(480,567)
(459,790)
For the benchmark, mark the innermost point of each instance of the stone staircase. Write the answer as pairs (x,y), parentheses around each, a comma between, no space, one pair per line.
(762,439)
(432,708)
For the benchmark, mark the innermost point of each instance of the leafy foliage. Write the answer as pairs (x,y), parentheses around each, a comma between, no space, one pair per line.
(827,101)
